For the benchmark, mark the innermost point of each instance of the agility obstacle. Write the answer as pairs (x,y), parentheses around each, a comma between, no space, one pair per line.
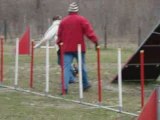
(46,91)
(118,108)
(47,67)
(150,45)
(151,110)
(80,72)
(120,79)
(16,63)
(2,59)
(99,76)
(62,68)
(142,76)
(32,65)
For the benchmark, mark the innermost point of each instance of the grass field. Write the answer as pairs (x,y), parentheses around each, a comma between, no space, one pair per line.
(16,105)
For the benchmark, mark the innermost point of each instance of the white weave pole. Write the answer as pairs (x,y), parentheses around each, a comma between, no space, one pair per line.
(80,71)
(120,80)
(16,63)
(47,67)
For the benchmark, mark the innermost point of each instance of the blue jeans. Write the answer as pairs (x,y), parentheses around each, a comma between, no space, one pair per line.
(72,77)
(68,59)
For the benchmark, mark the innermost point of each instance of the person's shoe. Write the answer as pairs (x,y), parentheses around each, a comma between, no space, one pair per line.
(86,88)
(73,81)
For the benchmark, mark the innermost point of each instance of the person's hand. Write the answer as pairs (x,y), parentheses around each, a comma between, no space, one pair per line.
(61,43)
(97,46)
(2,37)
(37,45)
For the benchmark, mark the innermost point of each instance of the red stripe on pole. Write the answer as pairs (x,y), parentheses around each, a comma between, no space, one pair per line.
(99,76)
(62,67)
(142,76)
(32,65)
(2,58)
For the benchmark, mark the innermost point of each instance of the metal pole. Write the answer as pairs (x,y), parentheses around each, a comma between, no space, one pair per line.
(5,30)
(47,67)
(16,63)
(99,76)
(32,62)
(2,58)
(62,67)
(158,103)
(80,71)
(120,80)
(142,76)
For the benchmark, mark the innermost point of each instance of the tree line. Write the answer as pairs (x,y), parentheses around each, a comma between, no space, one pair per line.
(113,20)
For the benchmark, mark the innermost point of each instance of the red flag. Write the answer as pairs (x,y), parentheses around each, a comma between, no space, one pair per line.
(149,111)
(24,43)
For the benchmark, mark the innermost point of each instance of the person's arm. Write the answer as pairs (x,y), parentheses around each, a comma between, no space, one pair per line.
(51,33)
(89,32)
(38,44)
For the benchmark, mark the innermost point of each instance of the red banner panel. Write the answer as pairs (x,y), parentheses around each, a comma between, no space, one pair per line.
(149,111)
(24,43)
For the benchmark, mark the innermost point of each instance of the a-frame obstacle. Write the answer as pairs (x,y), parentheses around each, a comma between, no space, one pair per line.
(151,47)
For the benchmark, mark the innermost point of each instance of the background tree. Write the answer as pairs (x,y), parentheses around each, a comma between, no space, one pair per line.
(113,20)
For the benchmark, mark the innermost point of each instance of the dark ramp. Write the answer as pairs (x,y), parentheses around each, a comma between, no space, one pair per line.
(151,47)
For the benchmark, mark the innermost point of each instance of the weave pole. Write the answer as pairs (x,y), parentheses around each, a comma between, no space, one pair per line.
(99,76)
(16,63)
(31,65)
(120,80)
(47,67)
(2,58)
(142,76)
(47,64)
(62,68)
(80,71)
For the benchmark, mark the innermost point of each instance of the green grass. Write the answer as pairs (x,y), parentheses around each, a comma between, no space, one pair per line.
(22,106)
(15,105)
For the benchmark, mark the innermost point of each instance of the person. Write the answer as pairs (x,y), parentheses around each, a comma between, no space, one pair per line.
(51,34)
(71,32)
